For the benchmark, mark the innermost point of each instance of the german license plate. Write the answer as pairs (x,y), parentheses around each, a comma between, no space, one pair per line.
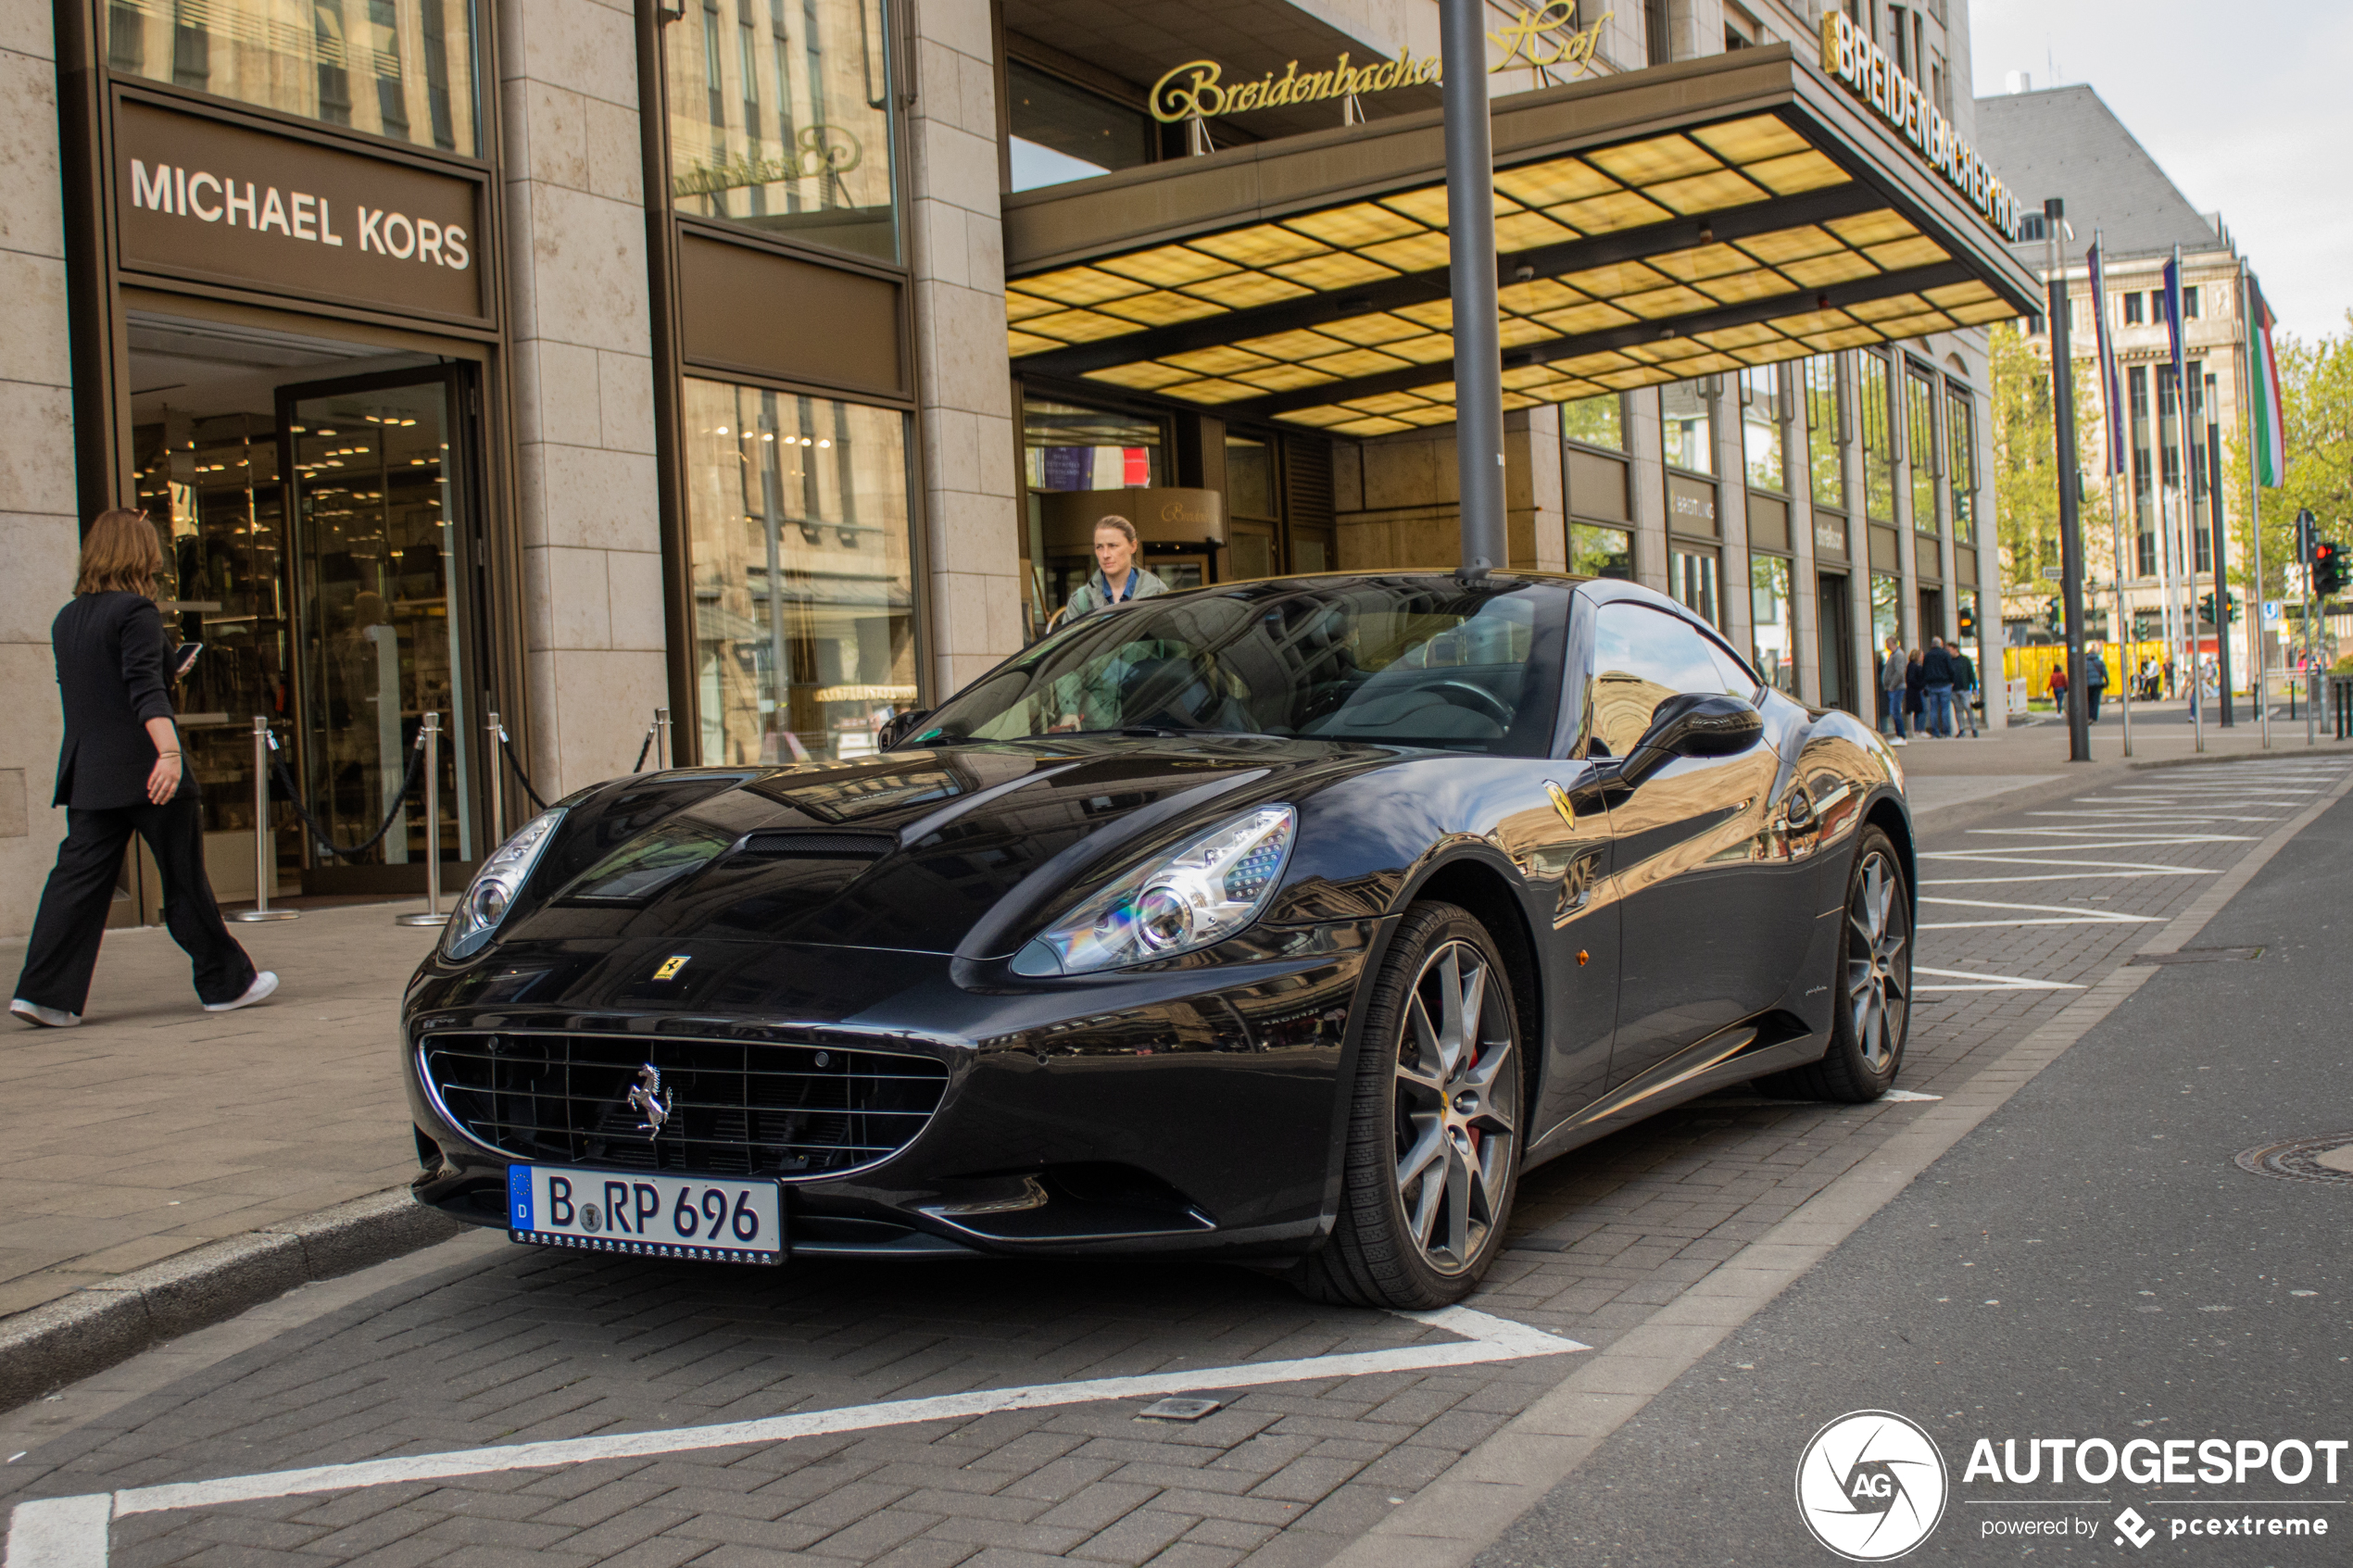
(708,1218)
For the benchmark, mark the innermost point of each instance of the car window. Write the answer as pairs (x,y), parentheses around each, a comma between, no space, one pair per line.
(1642,656)
(1407,660)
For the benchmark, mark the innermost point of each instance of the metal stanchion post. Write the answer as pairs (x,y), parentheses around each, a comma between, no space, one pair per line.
(662,758)
(261,910)
(496,761)
(433,915)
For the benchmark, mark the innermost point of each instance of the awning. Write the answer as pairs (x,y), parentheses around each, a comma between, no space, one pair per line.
(1653,225)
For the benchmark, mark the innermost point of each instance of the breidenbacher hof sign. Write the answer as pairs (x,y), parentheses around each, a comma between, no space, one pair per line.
(1850,56)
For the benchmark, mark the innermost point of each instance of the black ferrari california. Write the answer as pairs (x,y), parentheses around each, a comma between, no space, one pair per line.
(1283,921)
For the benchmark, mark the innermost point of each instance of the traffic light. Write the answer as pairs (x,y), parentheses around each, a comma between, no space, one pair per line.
(1969,621)
(2307,533)
(2055,615)
(2206,609)
(2328,569)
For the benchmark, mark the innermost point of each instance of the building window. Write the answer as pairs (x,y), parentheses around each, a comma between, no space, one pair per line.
(1600,552)
(1772,621)
(2030,227)
(1878,438)
(798,549)
(1687,427)
(1596,421)
(780,120)
(1761,427)
(1657,39)
(1887,594)
(1825,432)
(1960,445)
(2135,309)
(1693,577)
(266,58)
(1920,443)
(1060,132)
(2136,381)
(2189,305)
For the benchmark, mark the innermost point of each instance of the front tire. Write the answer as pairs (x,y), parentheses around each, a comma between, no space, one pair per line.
(1873,982)
(1433,1151)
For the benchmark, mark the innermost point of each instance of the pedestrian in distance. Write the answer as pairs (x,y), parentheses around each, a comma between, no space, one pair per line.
(120,773)
(1916,691)
(1937,679)
(2094,683)
(2058,689)
(1965,688)
(1891,691)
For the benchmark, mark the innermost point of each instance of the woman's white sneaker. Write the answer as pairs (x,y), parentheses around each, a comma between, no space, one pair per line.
(265,986)
(41,1017)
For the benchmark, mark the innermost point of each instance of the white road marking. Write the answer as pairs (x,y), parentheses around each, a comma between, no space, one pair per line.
(1907,1095)
(2115,832)
(2069,915)
(1984,982)
(71,1532)
(2023,854)
(2064,876)
(2136,819)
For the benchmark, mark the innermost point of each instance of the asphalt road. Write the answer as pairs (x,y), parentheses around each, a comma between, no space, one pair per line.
(2089,1263)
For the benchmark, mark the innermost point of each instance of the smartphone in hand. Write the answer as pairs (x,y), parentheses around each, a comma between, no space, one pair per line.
(188,652)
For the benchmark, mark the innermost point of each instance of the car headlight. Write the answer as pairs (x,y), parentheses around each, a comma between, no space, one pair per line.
(1206,891)
(492,893)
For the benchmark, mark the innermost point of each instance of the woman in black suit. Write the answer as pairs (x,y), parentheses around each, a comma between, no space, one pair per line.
(118,773)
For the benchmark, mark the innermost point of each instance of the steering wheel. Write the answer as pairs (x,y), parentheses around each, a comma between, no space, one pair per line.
(1494,706)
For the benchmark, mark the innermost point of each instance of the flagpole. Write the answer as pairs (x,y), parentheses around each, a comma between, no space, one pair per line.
(2186,605)
(2112,418)
(2253,367)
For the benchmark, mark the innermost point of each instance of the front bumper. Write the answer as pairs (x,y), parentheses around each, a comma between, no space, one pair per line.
(1190,1108)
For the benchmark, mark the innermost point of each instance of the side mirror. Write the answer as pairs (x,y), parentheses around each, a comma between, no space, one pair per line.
(1693,724)
(898,727)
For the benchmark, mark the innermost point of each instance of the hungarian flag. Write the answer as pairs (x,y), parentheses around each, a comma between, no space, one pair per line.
(2271,452)
(2112,412)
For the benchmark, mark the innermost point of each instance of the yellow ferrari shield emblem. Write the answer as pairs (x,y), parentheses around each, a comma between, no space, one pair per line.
(670,966)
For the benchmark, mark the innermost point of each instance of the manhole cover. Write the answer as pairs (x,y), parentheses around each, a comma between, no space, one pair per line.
(2199,955)
(2327,1158)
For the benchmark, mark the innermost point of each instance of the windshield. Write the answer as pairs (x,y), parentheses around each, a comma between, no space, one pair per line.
(1396,660)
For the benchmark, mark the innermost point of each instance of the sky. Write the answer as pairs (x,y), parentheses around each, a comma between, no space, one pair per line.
(2244,105)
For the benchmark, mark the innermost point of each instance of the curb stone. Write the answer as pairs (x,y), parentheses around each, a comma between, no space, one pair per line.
(74,1337)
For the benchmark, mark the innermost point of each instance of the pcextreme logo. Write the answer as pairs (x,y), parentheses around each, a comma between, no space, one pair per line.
(1872,1485)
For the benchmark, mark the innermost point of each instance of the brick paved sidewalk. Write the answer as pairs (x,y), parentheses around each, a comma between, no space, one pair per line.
(156,1128)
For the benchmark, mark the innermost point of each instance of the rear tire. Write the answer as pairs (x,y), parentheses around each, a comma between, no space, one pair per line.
(1871,982)
(1433,1151)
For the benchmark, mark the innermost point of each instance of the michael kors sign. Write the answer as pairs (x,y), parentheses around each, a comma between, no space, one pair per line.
(195,196)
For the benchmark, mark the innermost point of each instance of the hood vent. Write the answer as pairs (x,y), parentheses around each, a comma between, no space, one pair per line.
(798,844)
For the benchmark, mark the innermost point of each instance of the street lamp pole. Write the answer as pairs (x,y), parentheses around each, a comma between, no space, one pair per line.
(1470,223)
(2079,729)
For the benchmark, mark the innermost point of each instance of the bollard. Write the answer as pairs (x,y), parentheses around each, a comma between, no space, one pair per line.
(433,915)
(662,758)
(261,910)
(496,762)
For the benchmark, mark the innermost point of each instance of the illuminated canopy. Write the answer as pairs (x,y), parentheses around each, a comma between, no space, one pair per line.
(1651,227)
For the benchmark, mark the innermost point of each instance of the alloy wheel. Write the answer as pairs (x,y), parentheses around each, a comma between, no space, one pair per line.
(1457,1106)
(1878,961)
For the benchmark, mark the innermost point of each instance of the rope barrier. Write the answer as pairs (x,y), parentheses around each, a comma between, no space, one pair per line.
(521,777)
(291,794)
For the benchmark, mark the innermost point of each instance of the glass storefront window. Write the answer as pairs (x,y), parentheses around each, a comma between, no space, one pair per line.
(1693,579)
(1687,427)
(1886,596)
(1825,432)
(1596,421)
(1772,621)
(1761,427)
(1600,552)
(780,120)
(1920,443)
(804,605)
(1060,132)
(401,69)
(1960,467)
(1069,447)
(1879,437)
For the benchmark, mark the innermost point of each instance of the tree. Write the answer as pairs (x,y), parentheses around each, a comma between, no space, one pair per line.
(2316,426)
(2026,486)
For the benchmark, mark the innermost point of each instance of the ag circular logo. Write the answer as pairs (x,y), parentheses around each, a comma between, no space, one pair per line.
(1872,1485)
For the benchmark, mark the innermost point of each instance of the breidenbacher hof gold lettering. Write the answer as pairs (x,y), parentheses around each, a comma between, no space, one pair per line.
(1850,56)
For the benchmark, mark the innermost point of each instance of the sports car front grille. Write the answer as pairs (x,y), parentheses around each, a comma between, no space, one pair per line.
(730,1108)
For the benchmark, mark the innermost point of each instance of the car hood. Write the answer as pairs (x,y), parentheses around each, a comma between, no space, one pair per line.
(956,850)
